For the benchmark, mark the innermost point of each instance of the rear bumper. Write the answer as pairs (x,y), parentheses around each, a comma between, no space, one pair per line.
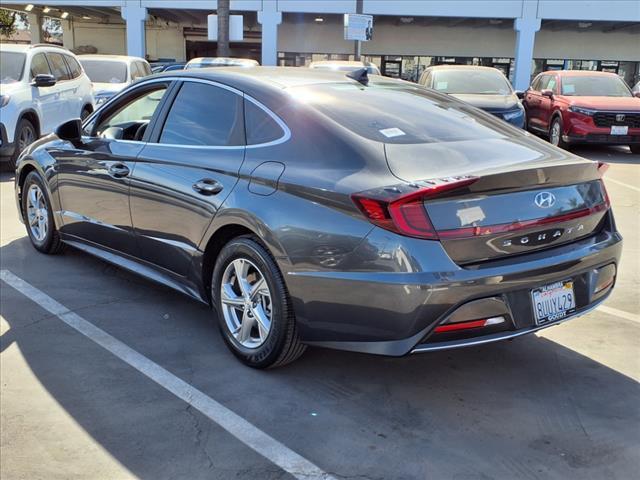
(395,313)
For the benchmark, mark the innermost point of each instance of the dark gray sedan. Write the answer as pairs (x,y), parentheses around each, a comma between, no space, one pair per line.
(318,208)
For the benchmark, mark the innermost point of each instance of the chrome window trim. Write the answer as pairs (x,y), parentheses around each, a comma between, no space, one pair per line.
(285,129)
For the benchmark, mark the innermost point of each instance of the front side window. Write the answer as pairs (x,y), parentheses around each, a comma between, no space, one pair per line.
(100,71)
(11,66)
(467,81)
(132,114)
(39,66)
(58,66)
(551,84)
(599,86)
(204,115)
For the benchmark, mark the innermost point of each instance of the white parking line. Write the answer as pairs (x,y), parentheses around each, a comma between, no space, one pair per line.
(619,313)
(607,179)
(237,426)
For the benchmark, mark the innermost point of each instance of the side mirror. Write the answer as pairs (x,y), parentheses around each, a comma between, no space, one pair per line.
(71,131)
(519,94)
(44,80)
(547,93)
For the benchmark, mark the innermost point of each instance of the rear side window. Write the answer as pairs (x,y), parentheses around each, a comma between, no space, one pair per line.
(39,65)
(74,66)
(260,126)
(204,115)
(58,67)
(145,68)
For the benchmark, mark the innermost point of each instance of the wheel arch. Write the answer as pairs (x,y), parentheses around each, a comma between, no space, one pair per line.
(222,232)
(31,115)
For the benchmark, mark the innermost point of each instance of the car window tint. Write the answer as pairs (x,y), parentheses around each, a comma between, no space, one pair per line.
(551,84)
(58,67)
(398,113)
(260,126)
(39,65)
(544,80)
(134,110)
(145,68)
(203,114)
(136,72)
(74,66)
(535,85)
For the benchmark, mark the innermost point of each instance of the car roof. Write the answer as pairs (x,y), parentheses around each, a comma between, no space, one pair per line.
(582,73)
(350,63)
(460,67)
(274,77)
(21,47)
(222,60)
(110,58)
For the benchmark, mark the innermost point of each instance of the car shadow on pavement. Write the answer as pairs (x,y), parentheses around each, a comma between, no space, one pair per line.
(529,408)
(606,153)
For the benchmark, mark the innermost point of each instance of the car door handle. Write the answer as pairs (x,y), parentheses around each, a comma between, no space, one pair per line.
(119,170)
(208,186)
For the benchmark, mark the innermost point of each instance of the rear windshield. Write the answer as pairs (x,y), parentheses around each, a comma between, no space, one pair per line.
(597,86)
(398,113)
(461,81)
(11,66)
(105,71)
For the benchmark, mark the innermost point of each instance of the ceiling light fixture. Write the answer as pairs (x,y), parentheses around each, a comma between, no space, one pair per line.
(28,8)
(46,10)
(64,15)
(319,19)
(86,17)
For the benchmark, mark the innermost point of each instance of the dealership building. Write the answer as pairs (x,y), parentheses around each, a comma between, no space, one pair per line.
(520,37)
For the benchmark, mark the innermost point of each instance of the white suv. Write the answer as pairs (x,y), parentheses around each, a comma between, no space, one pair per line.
(41,86)
(111,73)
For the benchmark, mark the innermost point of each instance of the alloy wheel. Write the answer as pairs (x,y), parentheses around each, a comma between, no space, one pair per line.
(37,213)
(246,303)
(555,133)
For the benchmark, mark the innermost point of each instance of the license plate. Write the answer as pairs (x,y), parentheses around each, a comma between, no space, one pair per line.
(553,302)
(619,129)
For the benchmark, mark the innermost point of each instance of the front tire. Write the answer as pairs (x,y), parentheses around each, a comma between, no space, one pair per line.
(254,309)
(555,133)
(38,215)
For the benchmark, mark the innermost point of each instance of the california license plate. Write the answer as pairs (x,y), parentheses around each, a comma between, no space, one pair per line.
(553,302)
(619,129)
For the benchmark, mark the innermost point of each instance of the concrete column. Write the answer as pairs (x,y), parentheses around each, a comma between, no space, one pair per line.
(135,17)
(68,39)
(35,27)
(526,28)
(269,18)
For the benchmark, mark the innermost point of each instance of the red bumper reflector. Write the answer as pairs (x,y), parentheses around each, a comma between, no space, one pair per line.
(451,327)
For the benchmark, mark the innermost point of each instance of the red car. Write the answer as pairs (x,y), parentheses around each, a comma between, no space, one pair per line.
(577,106)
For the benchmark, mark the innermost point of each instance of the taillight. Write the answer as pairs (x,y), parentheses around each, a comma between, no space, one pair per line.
(401,210)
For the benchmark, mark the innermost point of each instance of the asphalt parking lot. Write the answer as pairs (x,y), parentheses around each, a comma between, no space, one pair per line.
(564,403)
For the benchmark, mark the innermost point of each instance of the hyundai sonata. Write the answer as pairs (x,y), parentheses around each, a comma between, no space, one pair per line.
(330,209)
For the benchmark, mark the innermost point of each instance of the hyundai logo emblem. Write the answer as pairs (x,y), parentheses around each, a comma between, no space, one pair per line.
(619,117)
(545,200)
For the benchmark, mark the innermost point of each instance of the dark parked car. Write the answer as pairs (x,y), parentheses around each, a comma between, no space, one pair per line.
(310,208)
(483,87)
(574,106)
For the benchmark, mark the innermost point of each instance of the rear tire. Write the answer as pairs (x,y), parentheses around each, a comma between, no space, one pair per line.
(25,135)
(244,267)
(555,133)
(38,216)
(635,149)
